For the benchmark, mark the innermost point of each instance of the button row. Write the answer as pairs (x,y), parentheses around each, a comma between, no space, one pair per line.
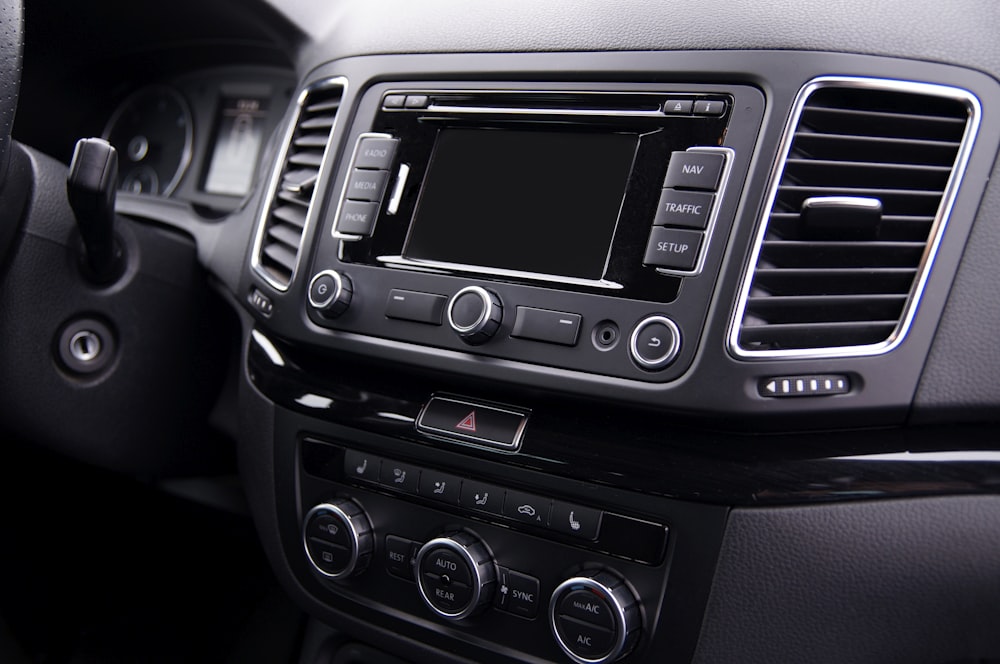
(366,183)
(558,516)
(394,102)
(694,106)
(685,206)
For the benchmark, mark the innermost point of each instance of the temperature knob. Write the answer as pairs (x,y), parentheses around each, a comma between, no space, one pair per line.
(456,575)
(595,618)
(338,538)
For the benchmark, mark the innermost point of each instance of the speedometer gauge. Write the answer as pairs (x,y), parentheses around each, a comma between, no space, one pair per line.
(152,132)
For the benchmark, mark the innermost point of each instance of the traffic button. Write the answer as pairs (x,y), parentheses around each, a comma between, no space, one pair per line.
(684,208)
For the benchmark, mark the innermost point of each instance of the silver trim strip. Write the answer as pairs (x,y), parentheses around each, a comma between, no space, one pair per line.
(857,202)
(275,180)
(576,112)
(397,190)
(475,441)
(720,192)
(934,238)
(400,261)
(354,237)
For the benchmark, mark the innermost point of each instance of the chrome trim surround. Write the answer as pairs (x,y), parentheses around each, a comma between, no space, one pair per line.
(275,180)
(668,357)
(397,190)
(474,441)
(334,296)
(476,326)
(934,237)
(720,192)
(354,237)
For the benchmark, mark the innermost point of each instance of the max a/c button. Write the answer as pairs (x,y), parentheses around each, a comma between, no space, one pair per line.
(466,421)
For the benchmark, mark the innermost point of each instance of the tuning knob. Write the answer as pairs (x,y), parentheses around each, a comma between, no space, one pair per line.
(456,575)
(475,314)
(595,618)
(338,538)
(330,293)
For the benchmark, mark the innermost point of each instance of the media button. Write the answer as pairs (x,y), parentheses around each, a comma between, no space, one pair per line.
(366,185)
(582,522)
(684,208)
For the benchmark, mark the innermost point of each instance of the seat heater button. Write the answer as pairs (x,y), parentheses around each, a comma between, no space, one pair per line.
(482,497)
(399,476)
(361,466)
(440,486)
(582,522)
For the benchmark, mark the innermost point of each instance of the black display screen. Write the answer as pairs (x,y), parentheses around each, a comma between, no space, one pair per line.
(238,136)
(544,202)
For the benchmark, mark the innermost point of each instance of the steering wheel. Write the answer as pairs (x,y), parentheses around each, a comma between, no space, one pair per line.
(11,40)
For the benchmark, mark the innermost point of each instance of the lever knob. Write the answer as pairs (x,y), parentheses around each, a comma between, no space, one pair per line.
(91,188)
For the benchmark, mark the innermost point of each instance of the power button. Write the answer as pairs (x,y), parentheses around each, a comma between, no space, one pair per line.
(655,342)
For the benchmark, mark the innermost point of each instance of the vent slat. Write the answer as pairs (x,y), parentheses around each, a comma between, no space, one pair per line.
(283,225)
(296,216)
(290,236)
(826,276)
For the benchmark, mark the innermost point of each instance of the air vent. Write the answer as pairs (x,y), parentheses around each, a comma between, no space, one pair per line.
(293,185)
(868,175)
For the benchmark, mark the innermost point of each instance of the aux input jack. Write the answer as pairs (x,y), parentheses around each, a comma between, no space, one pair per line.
(605,335)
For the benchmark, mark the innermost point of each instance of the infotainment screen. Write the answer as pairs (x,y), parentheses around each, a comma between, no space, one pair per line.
(540,202)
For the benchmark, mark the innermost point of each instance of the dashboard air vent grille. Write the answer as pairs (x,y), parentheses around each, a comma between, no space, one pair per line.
(293,185)
(869,173)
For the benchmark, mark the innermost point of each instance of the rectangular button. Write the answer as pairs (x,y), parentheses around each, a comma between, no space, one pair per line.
(694,170)
(523,591)
(543,325)
(361,466)
(439,486)
(482,497)
(357,217)
(415,306)
(400,556)
(527,507)
(399,476)
(472,422)
(582,522)
(393,101)
(416,101)
(376,153)
(689,209)
(366,185)
(709,107)
(673,248)
(677,107)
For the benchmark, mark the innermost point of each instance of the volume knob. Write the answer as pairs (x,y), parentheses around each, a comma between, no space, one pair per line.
(475,314)
(330,293)
(595,618)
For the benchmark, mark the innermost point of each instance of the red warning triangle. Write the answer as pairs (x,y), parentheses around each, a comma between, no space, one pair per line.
(468,423)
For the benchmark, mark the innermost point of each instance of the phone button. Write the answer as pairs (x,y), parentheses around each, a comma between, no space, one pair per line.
(361,466)
(569,519)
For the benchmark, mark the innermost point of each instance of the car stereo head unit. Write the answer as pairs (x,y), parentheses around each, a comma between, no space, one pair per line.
(462,202)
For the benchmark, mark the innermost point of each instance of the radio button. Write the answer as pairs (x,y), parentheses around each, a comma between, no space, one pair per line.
(366,185)
(689,209)
(376,153)
(357,217)
(694,170)
(655,343)
(672,248)
(415,306)
(550,326)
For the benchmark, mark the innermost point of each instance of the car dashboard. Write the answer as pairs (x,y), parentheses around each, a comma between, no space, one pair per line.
(584,332)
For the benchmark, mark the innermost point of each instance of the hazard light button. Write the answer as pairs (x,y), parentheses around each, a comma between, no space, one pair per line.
(472,422)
